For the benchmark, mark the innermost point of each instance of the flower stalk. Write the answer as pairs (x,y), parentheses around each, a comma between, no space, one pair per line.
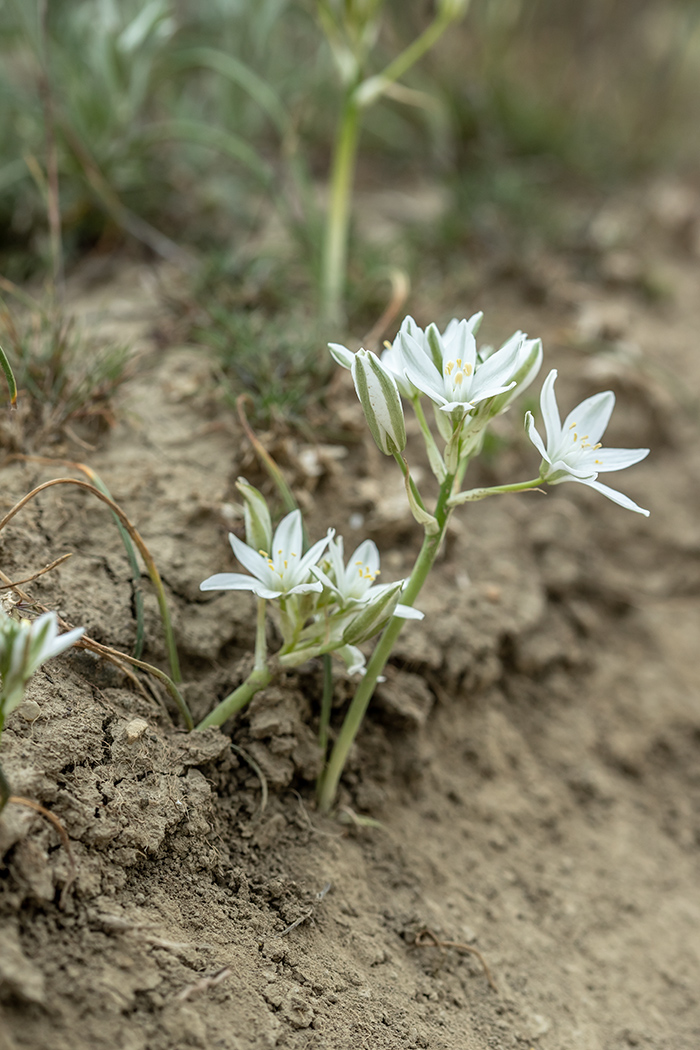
(328,782)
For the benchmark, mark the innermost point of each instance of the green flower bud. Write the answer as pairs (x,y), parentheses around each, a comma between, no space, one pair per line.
(373,616)
(381,402)
(258,524)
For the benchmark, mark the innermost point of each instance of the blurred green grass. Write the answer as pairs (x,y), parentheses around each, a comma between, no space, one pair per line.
(192,124)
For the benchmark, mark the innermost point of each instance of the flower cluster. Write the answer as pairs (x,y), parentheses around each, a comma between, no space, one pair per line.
(325,604)
(468,386)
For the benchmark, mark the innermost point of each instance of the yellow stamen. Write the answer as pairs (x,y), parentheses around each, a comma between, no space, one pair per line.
(459,378)
(449,366)
(573,425)
(468,370)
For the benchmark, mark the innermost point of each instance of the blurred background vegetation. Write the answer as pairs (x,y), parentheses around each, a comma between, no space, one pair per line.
(202,131)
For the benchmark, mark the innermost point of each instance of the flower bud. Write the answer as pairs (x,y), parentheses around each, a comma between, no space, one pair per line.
(381,402)
(341,355)
(373,617)
(258,524)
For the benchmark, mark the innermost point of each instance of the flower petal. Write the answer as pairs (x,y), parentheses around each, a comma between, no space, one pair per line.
(534,436)
(230,581)
(407,612)
(550,410)
(615,496)
(619,458)
(289,537)
(420,368)
(591,417)
(249,559)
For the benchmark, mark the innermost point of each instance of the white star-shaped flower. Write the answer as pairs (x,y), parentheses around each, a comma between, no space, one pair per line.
(573,451)
(276,573)
(451,372)
(354,585)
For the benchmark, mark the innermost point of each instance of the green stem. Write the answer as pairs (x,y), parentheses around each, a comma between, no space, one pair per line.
(260,639)
(472,495)
(414,52)
(328,781)
(169,685)
(237,700)
(5,789)
(437,464)
(326,704)
(9,376)
(335,251)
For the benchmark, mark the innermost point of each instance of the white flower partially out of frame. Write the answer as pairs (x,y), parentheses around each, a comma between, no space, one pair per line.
(277,573)
(353,585)
(573,451)
(24,647)
(453,376)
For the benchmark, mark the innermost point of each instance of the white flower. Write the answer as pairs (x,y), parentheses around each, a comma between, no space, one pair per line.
(452,375)
(277,573)
(24,647)
(354,585)
(573,451)
(393,357)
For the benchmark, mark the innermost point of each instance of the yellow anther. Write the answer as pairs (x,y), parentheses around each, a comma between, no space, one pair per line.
(358,563)
(387,344)
(575,437)
(468,370)
(459,378)
(459,362)
(264,553)
(286,564)
(449,366)
(573,425)
(599,445)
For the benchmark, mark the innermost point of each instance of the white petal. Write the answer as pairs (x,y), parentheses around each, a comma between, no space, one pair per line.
(591,417)
(249,559)
(535,437)
(229,581)
(419,367)
(550,410)
(312,555)
(65,640)
(288,537)
(407,612)
(305,588)
(325,580)
(615,496)
(619,458)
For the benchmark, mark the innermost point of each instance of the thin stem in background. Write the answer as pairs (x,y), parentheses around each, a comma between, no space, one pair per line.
(53,203)
(335,250)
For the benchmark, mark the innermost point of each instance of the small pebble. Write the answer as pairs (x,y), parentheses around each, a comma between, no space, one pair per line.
(135,730)
(29,710)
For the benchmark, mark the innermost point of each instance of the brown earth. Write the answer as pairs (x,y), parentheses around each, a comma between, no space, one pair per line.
(533,759)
